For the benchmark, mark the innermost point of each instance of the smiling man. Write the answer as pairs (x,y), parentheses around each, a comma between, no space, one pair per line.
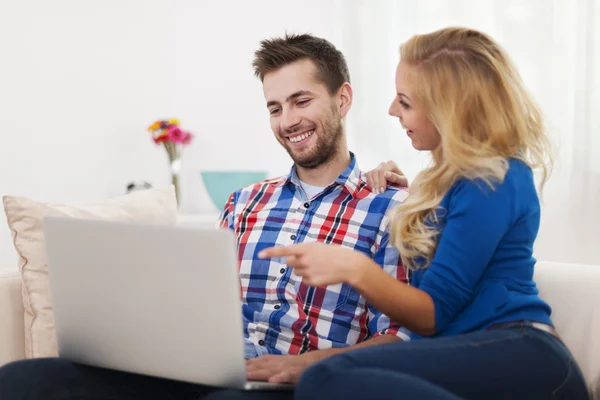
(288,324)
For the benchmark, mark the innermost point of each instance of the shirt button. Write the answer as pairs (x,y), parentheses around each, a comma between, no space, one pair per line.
(306,205)
(277,306)
(261,342)
(282,270)
(293,237)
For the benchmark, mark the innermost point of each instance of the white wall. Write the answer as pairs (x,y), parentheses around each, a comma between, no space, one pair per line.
(81,80)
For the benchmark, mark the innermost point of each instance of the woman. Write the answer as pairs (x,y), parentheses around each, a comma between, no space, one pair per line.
(466,235)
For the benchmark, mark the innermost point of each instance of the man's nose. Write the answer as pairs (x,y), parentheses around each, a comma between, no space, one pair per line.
(289,120)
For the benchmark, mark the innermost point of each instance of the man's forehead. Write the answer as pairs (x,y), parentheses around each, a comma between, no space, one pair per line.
(292,78)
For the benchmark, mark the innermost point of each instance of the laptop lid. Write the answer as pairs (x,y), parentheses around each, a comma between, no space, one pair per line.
(151,299)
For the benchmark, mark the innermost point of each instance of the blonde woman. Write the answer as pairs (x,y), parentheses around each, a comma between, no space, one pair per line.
(466,235)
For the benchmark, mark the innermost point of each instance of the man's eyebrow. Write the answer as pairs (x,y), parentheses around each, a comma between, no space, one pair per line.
(291,97)
(299,93)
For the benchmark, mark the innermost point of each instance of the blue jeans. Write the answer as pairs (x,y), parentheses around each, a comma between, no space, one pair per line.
(59,379)
(515,363)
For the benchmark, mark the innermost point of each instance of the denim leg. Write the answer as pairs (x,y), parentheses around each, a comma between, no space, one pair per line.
(250,395)
(59,379)
(499,364)
(391,385)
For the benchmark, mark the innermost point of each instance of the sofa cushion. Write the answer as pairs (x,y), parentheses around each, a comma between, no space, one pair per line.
(25,217)
(11,314)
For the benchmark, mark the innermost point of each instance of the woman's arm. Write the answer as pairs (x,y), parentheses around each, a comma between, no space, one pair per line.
(410,307)
(477,219)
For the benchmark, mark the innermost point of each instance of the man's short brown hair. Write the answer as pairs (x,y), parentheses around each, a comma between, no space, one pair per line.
(275,53)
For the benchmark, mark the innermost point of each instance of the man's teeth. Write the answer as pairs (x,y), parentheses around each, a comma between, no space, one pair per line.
(299,138)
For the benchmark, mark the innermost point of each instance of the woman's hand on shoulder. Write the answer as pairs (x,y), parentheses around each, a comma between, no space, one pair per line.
(386,173)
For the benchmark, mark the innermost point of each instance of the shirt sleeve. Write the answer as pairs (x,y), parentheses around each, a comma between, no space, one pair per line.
(477,218)
(389,259)
(226,219)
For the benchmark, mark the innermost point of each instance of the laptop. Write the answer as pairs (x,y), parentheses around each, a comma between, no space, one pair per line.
(158,300)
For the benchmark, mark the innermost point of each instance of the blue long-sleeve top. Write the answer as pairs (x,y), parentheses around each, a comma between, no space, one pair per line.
(482,270)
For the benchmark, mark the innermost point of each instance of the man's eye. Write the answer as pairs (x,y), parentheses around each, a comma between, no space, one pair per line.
(302,102)
(274,111)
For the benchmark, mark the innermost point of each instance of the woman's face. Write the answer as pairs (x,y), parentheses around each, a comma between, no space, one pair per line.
(420,130)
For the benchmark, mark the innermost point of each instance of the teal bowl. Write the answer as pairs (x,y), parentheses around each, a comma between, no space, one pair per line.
(220,184)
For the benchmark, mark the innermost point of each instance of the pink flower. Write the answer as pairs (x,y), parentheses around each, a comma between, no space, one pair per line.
(175,134)
(187,138)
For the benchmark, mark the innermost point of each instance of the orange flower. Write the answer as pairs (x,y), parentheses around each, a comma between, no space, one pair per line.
(154,126)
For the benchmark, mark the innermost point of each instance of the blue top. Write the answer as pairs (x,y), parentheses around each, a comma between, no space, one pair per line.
(482,271)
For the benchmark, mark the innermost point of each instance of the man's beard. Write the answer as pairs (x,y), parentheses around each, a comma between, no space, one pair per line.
(324,149)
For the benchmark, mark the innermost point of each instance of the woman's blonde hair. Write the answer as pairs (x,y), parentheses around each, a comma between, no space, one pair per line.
(475,98)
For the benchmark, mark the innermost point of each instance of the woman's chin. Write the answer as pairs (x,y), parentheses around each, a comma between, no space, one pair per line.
(416,145)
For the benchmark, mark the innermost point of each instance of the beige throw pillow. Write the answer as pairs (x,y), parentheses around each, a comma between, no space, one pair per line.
(25,217)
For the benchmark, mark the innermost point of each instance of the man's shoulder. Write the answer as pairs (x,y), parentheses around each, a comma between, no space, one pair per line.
(396,193)
(252,190)
(393,196)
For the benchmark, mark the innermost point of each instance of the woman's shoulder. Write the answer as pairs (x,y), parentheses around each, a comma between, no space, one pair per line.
(518,182)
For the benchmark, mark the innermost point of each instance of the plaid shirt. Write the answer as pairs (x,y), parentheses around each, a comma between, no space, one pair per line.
(283,315)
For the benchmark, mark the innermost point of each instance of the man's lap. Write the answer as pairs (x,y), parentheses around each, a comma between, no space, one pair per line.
(55,378)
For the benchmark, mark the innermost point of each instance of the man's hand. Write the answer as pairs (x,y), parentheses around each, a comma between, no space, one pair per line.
(287,369)
(277,368)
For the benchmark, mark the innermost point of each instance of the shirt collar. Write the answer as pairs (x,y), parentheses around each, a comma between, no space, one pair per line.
(350,179)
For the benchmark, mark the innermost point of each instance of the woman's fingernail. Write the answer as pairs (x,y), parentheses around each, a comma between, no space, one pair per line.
(261,254)
(381,190)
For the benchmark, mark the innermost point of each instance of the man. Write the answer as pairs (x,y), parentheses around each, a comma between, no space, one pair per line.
(324,198)
(288,324)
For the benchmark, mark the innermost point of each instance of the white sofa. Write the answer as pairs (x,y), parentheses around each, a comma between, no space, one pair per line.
(572,290)
(12,339)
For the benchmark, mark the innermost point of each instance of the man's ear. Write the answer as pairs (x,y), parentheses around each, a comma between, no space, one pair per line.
(345,97)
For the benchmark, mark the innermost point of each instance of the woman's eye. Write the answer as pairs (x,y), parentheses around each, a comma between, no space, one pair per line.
(404,104)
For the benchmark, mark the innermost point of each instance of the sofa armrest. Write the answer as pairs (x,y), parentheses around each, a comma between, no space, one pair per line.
(12,338)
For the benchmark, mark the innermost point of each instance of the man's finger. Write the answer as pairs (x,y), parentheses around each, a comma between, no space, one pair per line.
(258,361)
(281,377)
(259,374)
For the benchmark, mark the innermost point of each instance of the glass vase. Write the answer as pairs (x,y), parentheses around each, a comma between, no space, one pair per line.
(175,171)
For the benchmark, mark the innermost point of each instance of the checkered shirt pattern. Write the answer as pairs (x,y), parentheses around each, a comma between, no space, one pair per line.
(283,315)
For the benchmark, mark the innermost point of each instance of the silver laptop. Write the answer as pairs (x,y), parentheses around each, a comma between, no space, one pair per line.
(150,299)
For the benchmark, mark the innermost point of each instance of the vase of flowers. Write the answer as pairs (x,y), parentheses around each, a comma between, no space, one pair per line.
(168,134)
